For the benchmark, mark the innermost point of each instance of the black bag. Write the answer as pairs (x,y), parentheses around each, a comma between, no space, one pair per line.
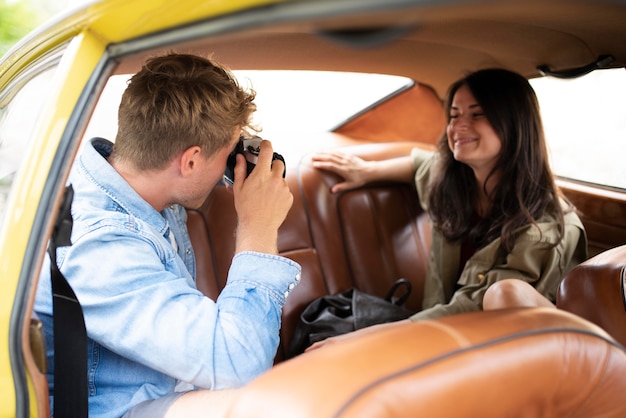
(345,312)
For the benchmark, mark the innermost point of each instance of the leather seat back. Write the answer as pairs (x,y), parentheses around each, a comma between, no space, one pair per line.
(533,362)
(212,232)
(365,238)
(595,290)
(369,237)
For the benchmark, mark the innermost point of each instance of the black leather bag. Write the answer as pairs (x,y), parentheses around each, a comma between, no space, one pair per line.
(348,311)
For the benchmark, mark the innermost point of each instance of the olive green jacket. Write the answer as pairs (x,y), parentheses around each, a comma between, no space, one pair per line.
(533,259)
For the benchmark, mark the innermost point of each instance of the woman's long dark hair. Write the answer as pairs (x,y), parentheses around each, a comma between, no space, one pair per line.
(525,189)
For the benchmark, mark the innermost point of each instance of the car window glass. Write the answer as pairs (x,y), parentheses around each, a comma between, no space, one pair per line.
(585,124)
(583,118)
(316,101)
(20,104)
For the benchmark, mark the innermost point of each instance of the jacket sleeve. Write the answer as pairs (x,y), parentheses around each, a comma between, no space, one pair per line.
(423,161)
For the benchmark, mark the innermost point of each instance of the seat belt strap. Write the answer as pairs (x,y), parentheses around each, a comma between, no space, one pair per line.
(70,335)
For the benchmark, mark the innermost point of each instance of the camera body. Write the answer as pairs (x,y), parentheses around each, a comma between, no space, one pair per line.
(250,148)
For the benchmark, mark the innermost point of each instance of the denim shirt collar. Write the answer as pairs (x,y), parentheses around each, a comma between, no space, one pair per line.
(94,165)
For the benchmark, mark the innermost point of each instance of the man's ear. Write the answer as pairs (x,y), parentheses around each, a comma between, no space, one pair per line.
(189,160)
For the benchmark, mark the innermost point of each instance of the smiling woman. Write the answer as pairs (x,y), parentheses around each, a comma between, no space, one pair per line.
(489,191)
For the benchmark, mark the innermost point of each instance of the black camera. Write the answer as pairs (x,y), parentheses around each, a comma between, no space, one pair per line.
(250,148)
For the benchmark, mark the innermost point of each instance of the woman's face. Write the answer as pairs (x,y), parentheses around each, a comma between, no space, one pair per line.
(471,138)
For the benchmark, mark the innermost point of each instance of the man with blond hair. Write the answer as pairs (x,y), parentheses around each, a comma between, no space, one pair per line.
(154,340)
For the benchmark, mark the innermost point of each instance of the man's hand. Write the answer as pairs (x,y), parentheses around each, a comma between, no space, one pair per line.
(262,201)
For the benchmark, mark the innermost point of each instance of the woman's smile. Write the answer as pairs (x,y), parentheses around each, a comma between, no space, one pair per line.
(471,137)
(464,141)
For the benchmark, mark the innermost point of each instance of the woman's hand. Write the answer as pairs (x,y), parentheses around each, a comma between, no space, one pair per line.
(354,170)
(357,172)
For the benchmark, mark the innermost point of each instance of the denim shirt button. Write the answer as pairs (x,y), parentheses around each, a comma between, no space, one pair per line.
(286,294)
(291,286)
(298,277)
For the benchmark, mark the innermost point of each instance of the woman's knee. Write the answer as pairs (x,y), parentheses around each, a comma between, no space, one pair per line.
(500,295)
(513,293)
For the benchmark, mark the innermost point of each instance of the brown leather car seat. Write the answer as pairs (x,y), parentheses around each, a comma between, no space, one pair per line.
(595,290)
(532,362)
(365,238)
(371,236)
(212,228)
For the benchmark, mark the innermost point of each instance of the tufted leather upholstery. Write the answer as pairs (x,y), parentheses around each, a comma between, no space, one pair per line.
(211,229)
(365,238)
(595,290)
(369,237)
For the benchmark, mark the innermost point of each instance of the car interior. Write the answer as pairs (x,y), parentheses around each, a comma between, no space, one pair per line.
(489,364)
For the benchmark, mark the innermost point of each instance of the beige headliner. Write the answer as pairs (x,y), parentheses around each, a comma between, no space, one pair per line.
(440,44)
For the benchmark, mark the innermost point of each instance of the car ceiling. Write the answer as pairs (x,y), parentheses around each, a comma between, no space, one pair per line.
(432,42)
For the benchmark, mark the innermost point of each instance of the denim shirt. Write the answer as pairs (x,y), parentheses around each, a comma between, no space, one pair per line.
(149,328)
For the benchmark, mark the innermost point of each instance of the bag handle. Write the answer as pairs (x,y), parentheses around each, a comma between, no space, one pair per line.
(408,287)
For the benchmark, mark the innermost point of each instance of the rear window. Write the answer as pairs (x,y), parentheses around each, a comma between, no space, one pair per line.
(584,118)
(288,102)
(585,124)
(315,101)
